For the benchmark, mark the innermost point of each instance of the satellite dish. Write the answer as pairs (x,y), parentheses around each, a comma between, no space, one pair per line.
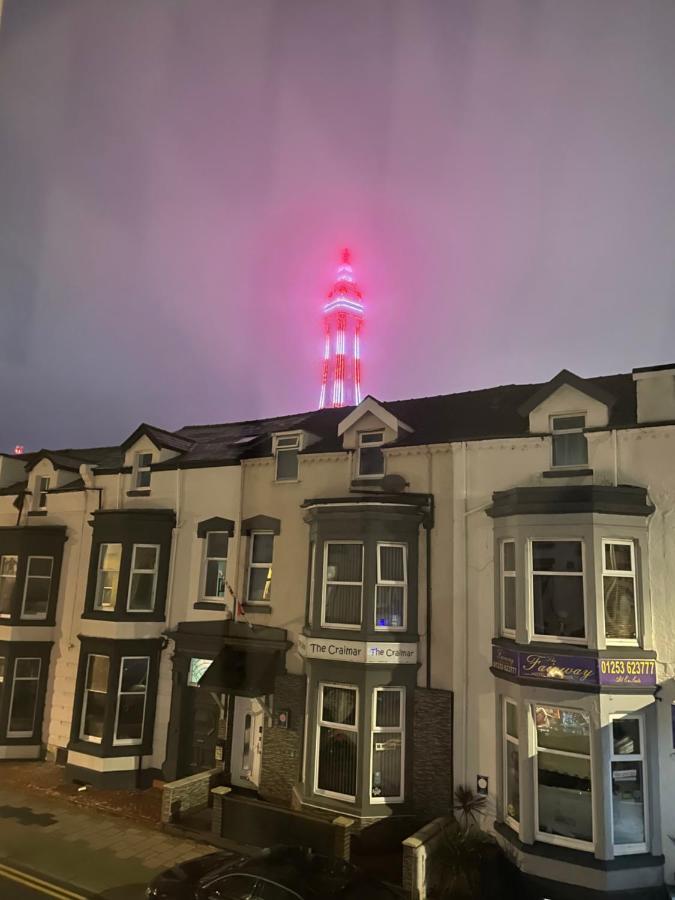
(394,484)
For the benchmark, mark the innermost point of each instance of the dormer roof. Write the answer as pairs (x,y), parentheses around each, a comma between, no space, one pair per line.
(565,377)
(370,405)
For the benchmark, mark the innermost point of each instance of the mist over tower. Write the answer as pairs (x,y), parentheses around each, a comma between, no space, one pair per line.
(343,320)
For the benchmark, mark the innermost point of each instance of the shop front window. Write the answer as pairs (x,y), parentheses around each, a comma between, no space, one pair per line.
(343,584)
(618,586)
(337,741)
(558,590)
(628,785)
(388,742)
(511,766)
(392,585)
(563,776)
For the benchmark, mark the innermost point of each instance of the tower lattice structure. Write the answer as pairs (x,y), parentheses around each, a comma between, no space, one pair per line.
(343,321)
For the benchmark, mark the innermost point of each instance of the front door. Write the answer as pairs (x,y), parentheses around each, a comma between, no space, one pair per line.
(199,733)
(247,736)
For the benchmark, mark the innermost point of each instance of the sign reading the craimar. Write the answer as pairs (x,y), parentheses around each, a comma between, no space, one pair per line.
(573,669)
(387,652)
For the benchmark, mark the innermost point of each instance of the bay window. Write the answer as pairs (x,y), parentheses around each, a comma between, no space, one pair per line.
(131,698)
(342,584)
(563,776)
(8,567)
(392,587)
(511,750)
(37,587)
(628,785)
(337,741)
(388,740)
(24,697)
(260,567)
(95,697)
(558,590)
(508,587)
(215,564)
(109,559)
(618,588)
(143,578)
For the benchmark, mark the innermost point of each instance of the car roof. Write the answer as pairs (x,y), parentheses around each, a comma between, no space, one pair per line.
(299,870)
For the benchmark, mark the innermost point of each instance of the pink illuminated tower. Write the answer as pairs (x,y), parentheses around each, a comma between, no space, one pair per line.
(343,320)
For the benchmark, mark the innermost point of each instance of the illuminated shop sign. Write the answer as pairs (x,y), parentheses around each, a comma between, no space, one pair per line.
(374,652)
(573,669)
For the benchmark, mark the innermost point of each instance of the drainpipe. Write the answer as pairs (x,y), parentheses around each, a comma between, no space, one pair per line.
(22,500)
(428,525)
(615,436)
(240,516)
(174,547)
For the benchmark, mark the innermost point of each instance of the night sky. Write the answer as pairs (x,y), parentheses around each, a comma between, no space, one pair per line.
(177,178)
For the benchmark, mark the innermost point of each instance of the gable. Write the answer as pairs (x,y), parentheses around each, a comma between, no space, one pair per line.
(568,400)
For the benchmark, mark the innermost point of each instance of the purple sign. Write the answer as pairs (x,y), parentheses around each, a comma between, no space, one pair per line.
(573,669)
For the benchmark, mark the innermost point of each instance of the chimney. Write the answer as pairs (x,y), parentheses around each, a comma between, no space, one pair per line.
(655,390)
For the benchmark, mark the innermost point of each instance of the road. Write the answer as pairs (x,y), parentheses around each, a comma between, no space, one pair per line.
(18,885)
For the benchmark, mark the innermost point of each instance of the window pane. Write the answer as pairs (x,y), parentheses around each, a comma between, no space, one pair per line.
(215,578)
(387,755)
(106,590)
(344,562)
(510,603)
(512,782)
(287,464)
(619,607)
(130,717)
(565,796)
(263,545)
(144,459)
(337,761)
(559,606)
(563,729)
(143,478)
(388,709)
(24,702)
(110,557)
(260,584)
(565,423)
(343,604)
(142,592)
(371,461)
(389,607)
(556,556)
(512,719)
(391,564)
(28,668)
(339,705)
(134,675)
(145,557)
(618,558)
(628,803)
(216,544)
(40,565)
(2,669)
(37,596)
(626,737)
(8,566)
(94,714)
(570,449)
(97,673)
(509,556)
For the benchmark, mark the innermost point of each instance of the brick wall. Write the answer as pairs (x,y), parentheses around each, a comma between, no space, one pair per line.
(188,794)
(432,752)
(282,747)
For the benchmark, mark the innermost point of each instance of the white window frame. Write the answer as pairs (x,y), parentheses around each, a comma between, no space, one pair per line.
(15,678)
(381,582)
(130,742)
(616,573)
(100,571)
(15,556)
(133,570)
(48,578)
(626,849)
(552,638)
(42,483)
(559,431)
(139,470)
(324,587)
(321,723)
(205,567)
(251,565)
(92,739)
(369,445)
(283,443)
(509,739)
(380,729)
(503,575)
(574,843)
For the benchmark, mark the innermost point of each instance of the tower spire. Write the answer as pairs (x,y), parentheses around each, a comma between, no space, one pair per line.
(343,320)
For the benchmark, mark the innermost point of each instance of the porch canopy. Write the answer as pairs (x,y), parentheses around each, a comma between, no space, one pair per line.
(249,673)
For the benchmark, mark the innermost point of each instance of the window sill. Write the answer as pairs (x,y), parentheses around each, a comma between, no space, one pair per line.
(254,609)
(123,616)
(139,492)
(37,512)
(567,473)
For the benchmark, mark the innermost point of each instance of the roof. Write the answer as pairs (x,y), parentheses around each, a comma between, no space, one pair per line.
(497,412)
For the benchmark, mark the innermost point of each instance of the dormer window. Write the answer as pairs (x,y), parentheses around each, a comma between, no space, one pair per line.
(569,445)
(286,448)
(142,470)
(370,455)
(41,489)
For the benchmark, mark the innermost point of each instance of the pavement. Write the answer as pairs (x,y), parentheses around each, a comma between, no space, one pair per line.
(48,847)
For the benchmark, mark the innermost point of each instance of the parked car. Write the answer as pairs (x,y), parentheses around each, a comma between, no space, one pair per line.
(280,873)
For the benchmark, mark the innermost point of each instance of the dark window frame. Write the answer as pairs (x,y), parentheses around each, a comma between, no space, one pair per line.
(11,651)
(24,543)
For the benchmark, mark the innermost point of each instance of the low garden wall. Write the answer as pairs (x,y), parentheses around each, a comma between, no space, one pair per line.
(188,794)
(420,873)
